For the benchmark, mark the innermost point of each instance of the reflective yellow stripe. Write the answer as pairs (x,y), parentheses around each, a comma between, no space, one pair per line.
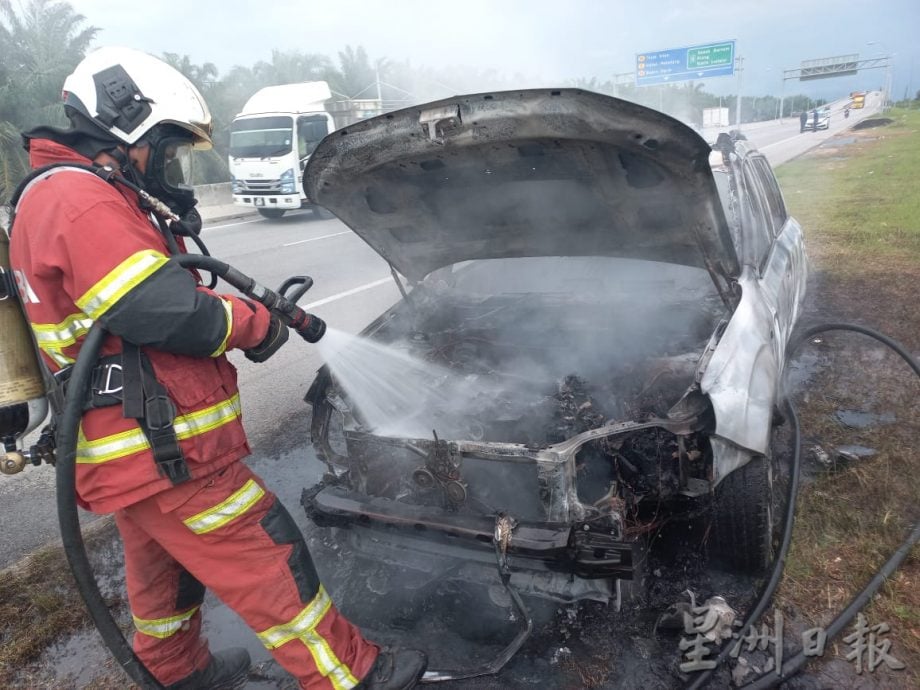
(163,627)
(64,333)
(60,358)
(133,440)
(110,447)
(235,505)
(127,275)
(228,310)
(303,628)
(52,338)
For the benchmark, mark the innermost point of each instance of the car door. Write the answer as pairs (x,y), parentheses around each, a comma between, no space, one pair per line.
(783,268)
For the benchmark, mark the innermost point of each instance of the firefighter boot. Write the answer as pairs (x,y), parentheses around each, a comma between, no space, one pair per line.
(227,670)
(395,669)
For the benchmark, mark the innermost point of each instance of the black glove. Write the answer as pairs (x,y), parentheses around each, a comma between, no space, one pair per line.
(276,337)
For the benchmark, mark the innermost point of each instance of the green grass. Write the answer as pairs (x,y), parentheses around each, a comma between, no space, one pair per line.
(858,200)
(861,197)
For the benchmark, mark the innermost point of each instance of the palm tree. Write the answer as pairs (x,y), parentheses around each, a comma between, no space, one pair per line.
(356,77)
(203,76)
(38,49)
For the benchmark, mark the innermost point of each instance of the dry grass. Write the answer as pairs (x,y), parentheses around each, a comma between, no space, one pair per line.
(39,604)
(864,243)
(592,672)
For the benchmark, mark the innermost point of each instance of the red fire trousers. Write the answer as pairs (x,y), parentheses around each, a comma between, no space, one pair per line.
(230,534)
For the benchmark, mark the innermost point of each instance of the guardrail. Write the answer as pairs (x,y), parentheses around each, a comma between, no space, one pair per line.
(213,194)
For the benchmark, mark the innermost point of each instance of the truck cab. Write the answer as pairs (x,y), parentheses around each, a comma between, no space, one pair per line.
(270,143)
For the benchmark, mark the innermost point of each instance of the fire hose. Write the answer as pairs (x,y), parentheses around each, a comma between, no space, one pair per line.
(796,663)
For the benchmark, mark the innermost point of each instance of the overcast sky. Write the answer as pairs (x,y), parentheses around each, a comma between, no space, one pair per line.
(547,41)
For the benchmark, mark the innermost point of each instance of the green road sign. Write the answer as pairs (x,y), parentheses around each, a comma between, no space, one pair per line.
(683,64)
(710,56)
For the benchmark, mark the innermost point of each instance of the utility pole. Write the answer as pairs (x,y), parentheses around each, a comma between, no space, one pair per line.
(782,97)
(623,78)
(886,98)
(740,68)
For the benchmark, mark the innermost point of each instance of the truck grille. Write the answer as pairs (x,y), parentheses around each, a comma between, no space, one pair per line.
(261,187)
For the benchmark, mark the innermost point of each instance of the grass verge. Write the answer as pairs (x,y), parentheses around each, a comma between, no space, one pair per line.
(857,198)
(40,604)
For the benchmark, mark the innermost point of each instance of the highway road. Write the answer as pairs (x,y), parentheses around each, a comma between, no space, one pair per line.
(352,286)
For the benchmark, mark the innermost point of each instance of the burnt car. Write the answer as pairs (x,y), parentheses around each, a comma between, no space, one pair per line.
(614,296)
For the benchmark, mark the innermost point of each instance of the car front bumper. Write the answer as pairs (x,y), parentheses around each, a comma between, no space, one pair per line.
(581,549)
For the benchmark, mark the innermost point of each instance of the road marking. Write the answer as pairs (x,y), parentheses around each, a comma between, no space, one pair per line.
(313,239)
(347,293)
(230,225)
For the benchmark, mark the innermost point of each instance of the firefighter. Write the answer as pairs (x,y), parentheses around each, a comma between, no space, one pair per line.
(161,441)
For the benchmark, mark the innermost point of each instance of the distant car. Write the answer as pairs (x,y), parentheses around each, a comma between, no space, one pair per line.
(823,121)
(616,297)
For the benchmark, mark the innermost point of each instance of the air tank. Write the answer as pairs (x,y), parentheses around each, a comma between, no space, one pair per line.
(23,405)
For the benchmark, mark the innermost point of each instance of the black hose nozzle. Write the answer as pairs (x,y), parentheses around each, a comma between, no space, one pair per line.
(310,327)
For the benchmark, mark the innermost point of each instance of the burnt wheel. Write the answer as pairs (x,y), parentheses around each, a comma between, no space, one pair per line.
(273,213)
(741,533)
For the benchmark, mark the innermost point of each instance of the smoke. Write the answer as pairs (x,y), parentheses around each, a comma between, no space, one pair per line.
(394,392)
(484,349)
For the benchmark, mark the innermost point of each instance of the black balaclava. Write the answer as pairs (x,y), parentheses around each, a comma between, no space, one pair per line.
(83,136)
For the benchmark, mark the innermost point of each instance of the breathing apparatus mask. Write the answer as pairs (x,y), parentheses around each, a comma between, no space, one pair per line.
(168,172)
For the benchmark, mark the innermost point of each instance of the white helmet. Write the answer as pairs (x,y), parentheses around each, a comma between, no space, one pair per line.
(127,93)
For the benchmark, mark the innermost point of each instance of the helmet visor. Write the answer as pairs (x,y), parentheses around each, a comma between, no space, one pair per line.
(176,163)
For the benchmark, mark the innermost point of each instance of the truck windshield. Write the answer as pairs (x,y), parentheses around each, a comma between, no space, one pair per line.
(261,137)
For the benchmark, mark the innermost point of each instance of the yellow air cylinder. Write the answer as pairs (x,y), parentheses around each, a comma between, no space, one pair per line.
(23,404)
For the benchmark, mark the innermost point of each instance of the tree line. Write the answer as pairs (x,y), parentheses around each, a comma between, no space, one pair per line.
(43,42)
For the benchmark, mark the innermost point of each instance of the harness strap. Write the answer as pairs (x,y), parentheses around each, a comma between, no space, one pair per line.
(40,174)
(104,173)
(157,424)
(128,380)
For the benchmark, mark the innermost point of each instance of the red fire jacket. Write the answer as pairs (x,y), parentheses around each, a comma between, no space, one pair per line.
(83,251)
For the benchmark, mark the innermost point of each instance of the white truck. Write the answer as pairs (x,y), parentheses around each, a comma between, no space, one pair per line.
(715,117)
(272,138)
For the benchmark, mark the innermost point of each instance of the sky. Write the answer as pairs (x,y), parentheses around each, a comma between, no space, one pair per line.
(541,42)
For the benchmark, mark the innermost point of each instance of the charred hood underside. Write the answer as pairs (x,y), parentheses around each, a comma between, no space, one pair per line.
(526,173)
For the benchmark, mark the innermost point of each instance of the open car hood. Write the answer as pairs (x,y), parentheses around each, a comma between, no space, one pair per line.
(524,173)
